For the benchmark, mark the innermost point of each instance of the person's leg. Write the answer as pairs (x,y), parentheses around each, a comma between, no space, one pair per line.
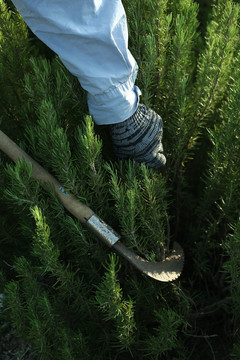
(91,39)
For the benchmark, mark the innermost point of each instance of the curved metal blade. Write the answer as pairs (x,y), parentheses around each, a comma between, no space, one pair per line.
(167,270)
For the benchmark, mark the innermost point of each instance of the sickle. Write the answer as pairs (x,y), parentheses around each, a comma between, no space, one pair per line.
(167,270)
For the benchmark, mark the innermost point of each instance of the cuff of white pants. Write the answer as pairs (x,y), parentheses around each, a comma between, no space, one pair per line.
(114,106)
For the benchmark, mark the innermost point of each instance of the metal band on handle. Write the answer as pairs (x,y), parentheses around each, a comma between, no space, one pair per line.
(102,230)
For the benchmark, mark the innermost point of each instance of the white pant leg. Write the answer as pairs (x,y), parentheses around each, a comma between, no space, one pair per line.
(91,38)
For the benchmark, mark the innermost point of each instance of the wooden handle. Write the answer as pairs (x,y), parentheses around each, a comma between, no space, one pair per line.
(167,270)
(74,206)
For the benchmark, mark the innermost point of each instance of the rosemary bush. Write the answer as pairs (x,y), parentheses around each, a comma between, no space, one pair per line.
(68,295)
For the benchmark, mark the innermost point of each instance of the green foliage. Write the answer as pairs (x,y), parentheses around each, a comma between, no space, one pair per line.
(143,217)
(36,317)
(218,207)
(15,49)
(51,82)
(20,188)
(165,336)
(68,295)
(109,301)
(215,64)
(149,30)
(232,268)
(87,151)
(213,75)
(236,351)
